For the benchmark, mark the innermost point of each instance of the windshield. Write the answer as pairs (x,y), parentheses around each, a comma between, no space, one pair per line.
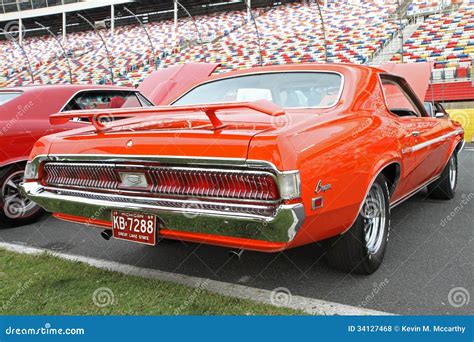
(5,97)
(286,89)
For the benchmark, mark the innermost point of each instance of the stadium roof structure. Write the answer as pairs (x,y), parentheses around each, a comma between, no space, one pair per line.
(58,9)
(55,17)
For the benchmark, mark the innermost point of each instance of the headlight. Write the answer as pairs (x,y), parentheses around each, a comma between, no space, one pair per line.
(289,184)
(31,171)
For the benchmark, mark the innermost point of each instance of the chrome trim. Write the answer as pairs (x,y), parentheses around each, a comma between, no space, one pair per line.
(120,169)
(341,88)
(121,191)
(189,205)
(118,158)
(435,178)
(189,216)
(313,203)
(413,192)
(434,140)
(249,164)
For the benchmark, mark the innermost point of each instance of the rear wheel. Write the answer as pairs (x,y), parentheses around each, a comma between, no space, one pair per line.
(361,249)
(445,186)
(15,210)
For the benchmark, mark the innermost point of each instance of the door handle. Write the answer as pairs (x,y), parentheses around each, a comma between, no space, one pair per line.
(415,133)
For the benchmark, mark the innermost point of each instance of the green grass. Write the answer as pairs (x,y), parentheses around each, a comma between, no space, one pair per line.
(46,285)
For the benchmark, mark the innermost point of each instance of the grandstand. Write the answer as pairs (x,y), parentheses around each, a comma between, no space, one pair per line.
(446,39)
(289,33)
(224,32)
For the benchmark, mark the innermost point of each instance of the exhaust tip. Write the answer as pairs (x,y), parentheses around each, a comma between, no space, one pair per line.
(106,234)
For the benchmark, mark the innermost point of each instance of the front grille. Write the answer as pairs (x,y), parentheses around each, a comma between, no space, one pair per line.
(166,180)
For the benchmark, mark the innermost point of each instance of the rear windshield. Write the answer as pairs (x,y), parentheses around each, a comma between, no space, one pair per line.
(106,99)
(5,97)
(286,89)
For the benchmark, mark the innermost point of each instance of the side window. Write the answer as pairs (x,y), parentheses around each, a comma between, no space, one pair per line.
(103,99)
(398,101)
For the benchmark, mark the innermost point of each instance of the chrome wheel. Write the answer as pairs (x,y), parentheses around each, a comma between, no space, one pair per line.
(16,206)
(373,212)
(452,172)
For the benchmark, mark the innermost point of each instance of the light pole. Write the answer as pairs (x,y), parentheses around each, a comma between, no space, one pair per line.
(324,32)
(11,38)
(62,47)
(401,30)
(250,13)
(192,18)
(109,57)
(146,32)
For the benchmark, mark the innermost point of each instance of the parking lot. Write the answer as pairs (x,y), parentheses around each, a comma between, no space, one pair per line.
(428,257)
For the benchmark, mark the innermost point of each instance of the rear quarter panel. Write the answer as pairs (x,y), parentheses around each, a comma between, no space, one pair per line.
(347,150)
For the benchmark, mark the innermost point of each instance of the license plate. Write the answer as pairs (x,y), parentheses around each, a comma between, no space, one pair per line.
(136,227)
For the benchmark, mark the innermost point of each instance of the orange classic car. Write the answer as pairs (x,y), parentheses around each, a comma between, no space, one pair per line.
(263,159)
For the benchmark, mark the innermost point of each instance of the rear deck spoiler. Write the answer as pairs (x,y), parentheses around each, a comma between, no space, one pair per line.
(99,118)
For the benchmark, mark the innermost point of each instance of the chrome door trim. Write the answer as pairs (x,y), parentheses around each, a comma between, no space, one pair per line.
(434,141)
(413,192)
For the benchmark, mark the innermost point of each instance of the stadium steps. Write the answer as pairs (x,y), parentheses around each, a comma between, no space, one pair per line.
(395,45)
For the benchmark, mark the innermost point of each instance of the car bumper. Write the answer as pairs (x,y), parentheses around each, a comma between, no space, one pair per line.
(189,217)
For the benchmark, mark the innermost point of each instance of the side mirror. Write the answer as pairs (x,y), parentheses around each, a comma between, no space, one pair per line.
(439,115)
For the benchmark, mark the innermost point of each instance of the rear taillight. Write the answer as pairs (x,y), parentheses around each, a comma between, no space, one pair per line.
(242,185)
(180,181)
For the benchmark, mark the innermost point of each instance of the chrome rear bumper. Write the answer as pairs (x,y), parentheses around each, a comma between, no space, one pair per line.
(259,222)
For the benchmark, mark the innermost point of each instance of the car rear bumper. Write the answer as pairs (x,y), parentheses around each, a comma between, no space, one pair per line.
(183,219)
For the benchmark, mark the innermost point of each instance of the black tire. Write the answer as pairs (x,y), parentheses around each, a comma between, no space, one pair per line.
(445,187)
(354,251)
(15,210)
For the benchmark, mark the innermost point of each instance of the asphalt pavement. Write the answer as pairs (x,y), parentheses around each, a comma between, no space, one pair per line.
(428,266)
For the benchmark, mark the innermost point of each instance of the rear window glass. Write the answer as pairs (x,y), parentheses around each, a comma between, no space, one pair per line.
(5,97)
(286,89)
(104,99)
